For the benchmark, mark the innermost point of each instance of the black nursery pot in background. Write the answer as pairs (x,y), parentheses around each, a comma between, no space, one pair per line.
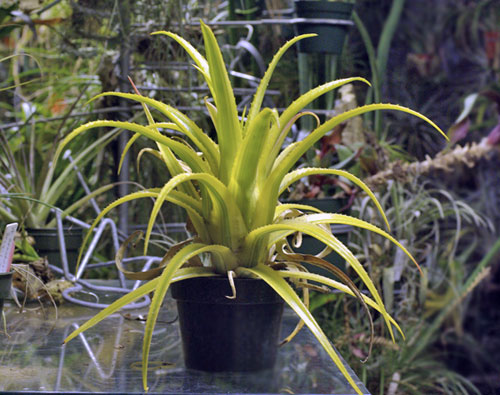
(47,245)
(330,37)
(312,246)
(5,284)
(221,334)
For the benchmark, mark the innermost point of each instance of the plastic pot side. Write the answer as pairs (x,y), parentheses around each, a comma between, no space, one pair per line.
(221,334)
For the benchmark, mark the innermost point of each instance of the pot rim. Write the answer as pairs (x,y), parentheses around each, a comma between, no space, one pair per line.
(216,289)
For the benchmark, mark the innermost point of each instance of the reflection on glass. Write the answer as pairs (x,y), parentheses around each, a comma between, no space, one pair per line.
(107,358)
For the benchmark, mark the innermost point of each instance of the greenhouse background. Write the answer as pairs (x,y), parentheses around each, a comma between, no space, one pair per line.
(440,58)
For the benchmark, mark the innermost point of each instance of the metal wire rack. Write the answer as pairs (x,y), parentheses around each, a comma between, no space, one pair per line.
(84,287)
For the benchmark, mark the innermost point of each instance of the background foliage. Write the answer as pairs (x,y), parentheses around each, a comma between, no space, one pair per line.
(66,52)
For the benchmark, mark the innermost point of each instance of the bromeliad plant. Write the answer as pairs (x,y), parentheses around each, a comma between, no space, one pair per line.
(230,190)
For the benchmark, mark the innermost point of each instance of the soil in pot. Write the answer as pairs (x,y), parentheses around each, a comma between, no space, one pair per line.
(222,334)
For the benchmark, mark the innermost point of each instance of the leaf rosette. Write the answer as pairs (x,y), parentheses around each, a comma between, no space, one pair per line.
(230,189)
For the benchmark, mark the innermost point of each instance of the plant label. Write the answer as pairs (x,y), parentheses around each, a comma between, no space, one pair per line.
(7,247)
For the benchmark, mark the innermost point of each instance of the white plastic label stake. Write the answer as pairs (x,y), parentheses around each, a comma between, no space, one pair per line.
(7,247)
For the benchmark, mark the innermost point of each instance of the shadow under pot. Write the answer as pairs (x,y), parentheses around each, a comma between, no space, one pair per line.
(331,36)
(228,335)
(5,285)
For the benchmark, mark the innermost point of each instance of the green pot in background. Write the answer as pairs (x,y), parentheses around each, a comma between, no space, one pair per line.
(330,38)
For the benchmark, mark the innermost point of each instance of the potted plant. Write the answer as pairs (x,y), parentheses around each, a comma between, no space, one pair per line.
(31,188)
(230,190)
(330,36)
(36,188)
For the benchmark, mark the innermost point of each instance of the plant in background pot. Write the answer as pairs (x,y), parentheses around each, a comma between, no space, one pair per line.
(230,190)
(35,187)
(319,57)
(30,187)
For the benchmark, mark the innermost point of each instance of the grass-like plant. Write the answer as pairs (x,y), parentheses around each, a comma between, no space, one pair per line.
(30,183)
(35,187)
(230,191)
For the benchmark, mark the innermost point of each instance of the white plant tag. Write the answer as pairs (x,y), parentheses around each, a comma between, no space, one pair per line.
(7,247)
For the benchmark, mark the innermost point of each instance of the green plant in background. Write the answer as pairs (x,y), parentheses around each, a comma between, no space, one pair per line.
(379,57)
(32,187)
(25,161)
(480,111)
(475,29)
(26,169)
(437,229)
(330,150)
(443,53)
(230,191)
(315,69)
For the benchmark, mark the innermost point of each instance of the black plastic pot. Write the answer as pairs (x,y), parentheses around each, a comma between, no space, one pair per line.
(5,284)
(47,245)
(330,37)
(221,334)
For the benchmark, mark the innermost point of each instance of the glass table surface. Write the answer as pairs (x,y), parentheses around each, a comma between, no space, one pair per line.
(107,357)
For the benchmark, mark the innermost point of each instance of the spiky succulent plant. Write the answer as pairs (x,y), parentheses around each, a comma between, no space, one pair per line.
(230,189)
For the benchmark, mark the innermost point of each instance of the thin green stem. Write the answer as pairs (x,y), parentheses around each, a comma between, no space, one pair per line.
(374,90)
(387,35)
